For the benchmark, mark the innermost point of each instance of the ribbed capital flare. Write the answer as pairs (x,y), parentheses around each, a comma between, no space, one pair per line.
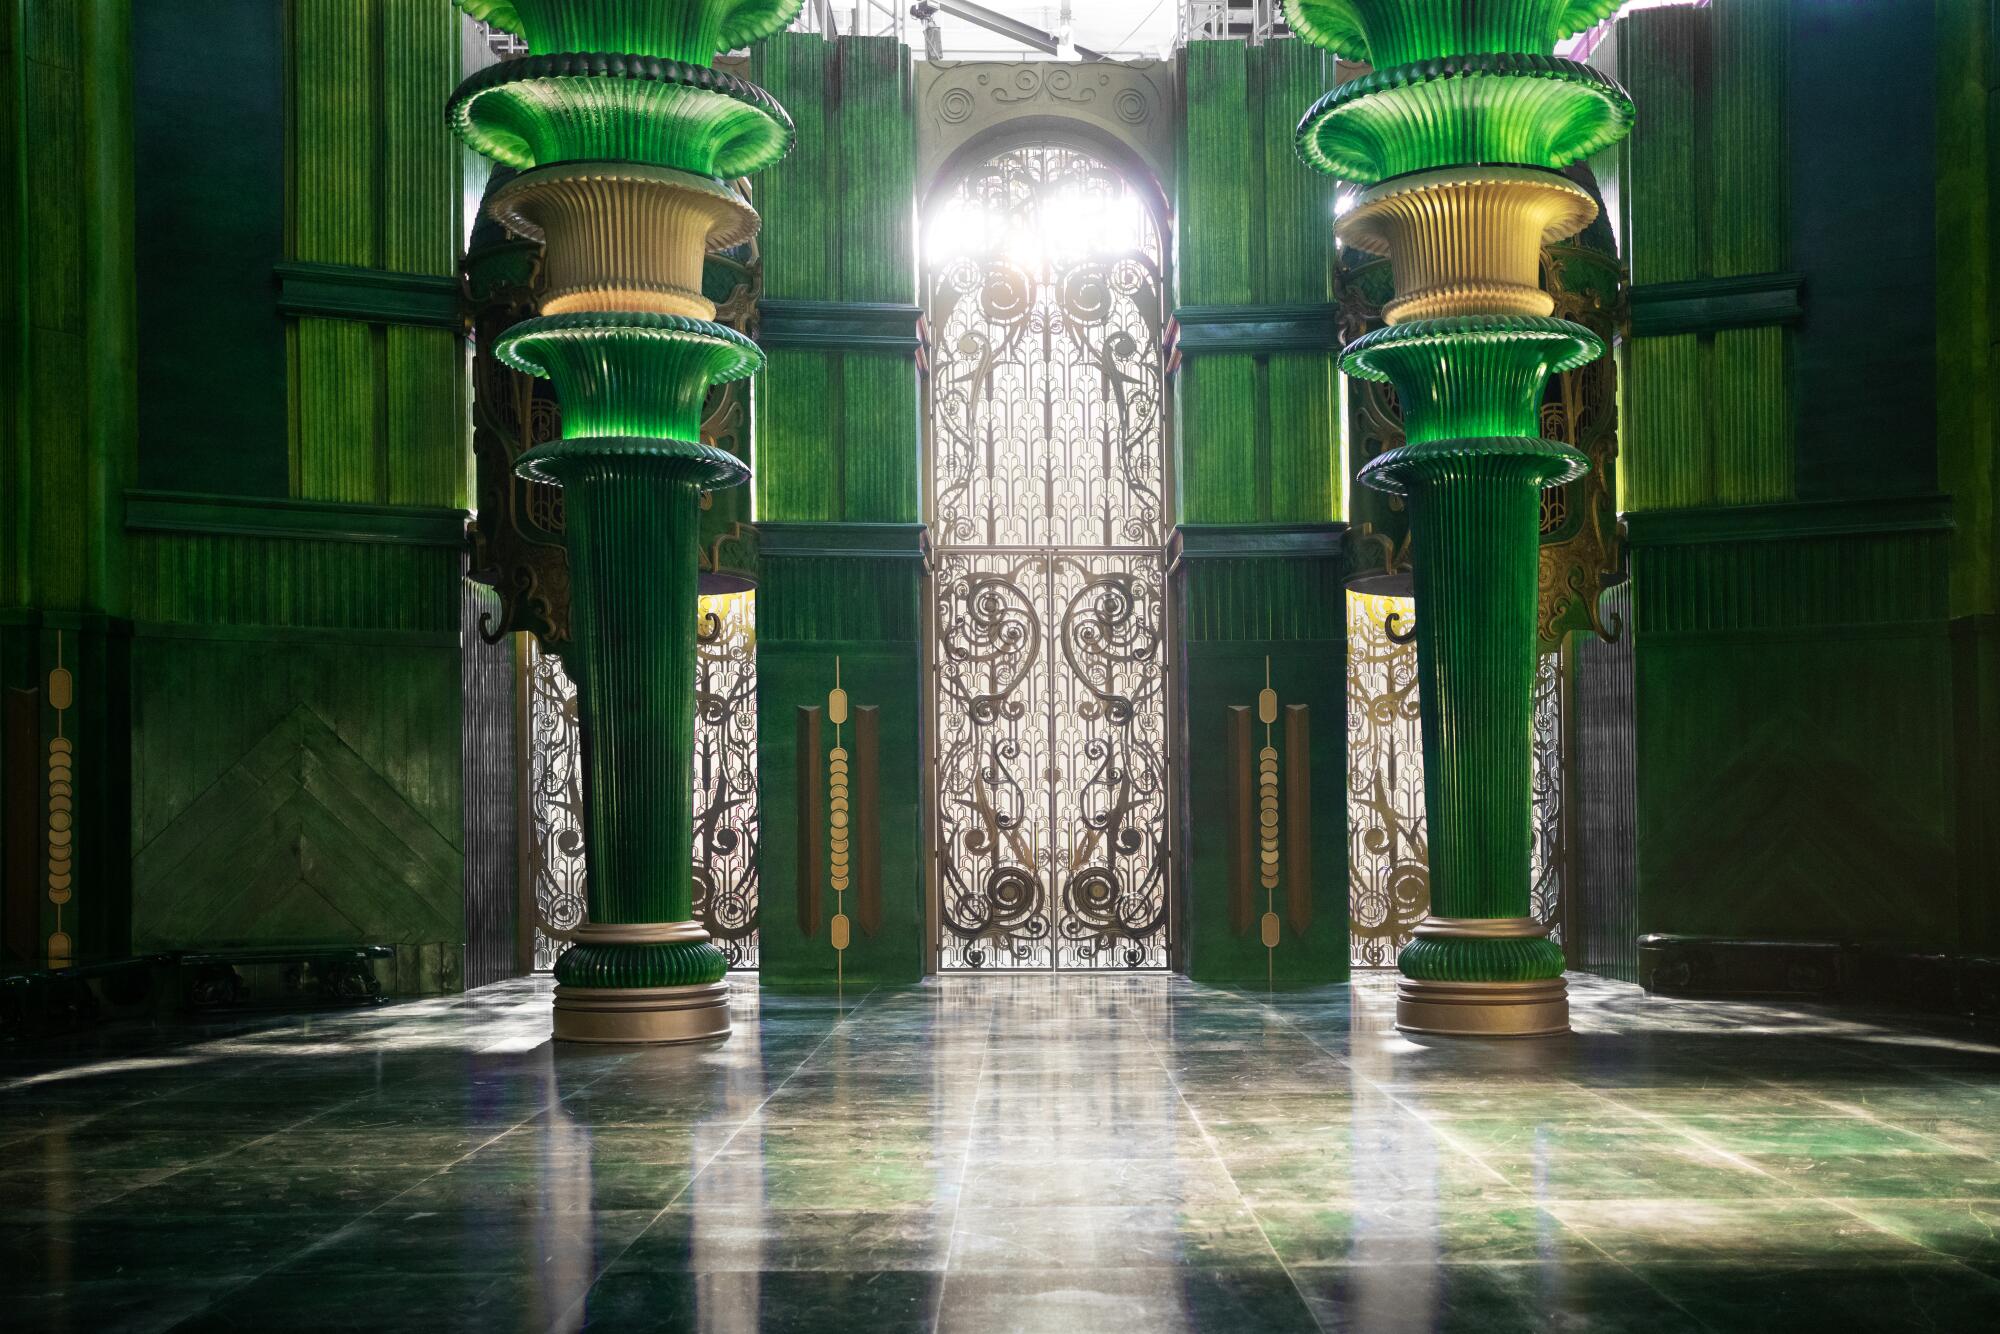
(1396,32)
(627,373)
(1467,240)
(597,107)
(624,237)
(1471,376)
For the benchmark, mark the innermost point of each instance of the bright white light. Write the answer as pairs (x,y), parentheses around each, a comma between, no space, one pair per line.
(1054,229)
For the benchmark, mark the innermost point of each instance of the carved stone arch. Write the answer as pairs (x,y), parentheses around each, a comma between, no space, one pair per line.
(1123,112)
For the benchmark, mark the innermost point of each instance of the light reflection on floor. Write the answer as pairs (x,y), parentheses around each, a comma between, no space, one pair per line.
(1016,1153)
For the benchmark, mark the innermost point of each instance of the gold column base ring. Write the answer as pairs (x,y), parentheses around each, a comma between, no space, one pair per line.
(1482,928)
(642,1014)
(1483,1009)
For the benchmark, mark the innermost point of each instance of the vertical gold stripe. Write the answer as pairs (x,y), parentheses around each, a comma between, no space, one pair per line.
(811,816)
(867,817)
(1298,819)
(1240,841)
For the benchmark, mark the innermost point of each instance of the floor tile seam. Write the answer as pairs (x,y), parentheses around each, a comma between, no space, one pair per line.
(1918,1242)
(1416,1113)
(1243,1201)
(294,1256)
(185,1167)
(563,1322)
(1861,1113)
(1832,1202)
(758,1110)
(498,1134)
(1460,1147)
(964,1175)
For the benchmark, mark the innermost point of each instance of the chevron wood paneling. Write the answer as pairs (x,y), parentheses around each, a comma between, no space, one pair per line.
(1798,787)
(297,792)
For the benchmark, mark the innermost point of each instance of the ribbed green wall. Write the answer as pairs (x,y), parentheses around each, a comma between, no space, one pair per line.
(1968,360)
(1795,725)
(1708,417)
(228,580)
(67,426)
(1967,350)
(837,429)
(1258,438)
(1257,444)
(377,412)
(838,442)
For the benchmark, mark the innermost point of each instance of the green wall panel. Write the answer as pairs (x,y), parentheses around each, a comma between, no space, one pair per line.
(1223,472)
(1863,229)
(1709,416)
(1257,431)
(868,614)
(1242,618)
(798,453)
(1968,358)
(1795,723)
(376,408)
(838,429)
(800,249)
(293,582)
(211,224)
(1214,214)
(1304,410)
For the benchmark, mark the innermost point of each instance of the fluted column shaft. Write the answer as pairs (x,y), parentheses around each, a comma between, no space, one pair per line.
(632,551)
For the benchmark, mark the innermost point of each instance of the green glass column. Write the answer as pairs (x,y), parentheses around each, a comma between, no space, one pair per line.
(622,159)
(1457,137)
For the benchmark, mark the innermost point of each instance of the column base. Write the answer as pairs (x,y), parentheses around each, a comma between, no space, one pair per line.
(642,1014)
(1483,1009)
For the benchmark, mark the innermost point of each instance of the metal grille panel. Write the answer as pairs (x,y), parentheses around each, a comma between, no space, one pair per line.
(1048,502)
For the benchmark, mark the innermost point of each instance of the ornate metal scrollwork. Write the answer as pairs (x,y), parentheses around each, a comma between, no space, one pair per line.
(1388,864)
(1048,505)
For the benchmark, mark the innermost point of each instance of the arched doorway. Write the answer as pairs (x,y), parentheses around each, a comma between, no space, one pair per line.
(1048,504)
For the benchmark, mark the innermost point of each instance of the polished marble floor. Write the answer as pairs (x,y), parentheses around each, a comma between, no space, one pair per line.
(993,1154)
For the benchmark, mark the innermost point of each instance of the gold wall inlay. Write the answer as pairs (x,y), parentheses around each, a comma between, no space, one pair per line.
(1282,839)
(61,949)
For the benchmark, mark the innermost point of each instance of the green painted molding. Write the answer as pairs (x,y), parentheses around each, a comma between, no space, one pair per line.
(1238,541)
(877,541)
(349,292)
(1790,520)
(1710,305)
(274,516)
(351,636)
(845,325)
(1258,328)
(76,622)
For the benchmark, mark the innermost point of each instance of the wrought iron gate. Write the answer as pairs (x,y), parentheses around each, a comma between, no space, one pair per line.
(1048,607)
(1388,862)
(725,787)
